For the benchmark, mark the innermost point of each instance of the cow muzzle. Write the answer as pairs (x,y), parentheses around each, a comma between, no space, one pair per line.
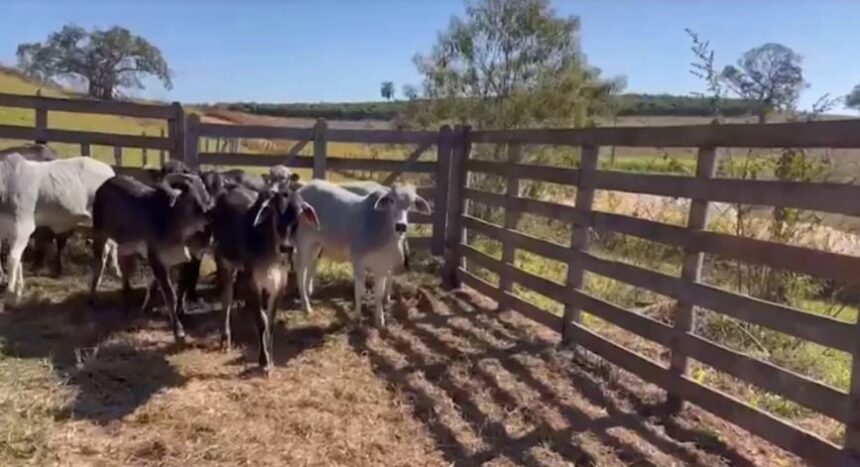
(400,227)
(286,249)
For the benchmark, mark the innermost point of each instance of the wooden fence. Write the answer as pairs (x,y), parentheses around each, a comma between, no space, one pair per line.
(686,289)
(451,222)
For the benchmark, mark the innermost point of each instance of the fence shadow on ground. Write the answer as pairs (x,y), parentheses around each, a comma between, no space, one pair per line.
(488,389)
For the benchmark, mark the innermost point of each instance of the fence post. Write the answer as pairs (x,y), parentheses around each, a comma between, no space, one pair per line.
(454,233)
(192,138)
(161,153)
(511,218)
(85,149)
(440,195)
(320,148)
(579,235)
(691,270)
(117,156)
(144,155)
(176,132)
(41,125)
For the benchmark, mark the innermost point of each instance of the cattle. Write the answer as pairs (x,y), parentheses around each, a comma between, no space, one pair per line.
(154,221)
(365,230)
(252,233)
(42,236)
(57,194)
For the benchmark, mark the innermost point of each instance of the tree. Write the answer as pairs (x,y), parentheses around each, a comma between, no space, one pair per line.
(108,60)
(770,76)
(852,100)
(387,90)
(410,91)
(512,63)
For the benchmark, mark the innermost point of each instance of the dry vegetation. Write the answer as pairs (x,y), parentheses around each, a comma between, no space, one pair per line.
(449,382)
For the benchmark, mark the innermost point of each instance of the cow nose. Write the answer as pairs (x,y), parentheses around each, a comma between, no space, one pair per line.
(400,227)
(286,249)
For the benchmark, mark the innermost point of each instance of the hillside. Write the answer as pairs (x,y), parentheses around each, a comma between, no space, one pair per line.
(12,82)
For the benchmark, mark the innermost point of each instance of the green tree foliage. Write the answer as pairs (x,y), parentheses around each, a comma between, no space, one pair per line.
(387,90)
(500,65)
(108,60)
(770,76)
(852,100)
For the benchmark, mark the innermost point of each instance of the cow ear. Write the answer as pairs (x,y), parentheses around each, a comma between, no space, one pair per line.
(294,177)
(310,215)
(384,202)
(422,206)
(261,211)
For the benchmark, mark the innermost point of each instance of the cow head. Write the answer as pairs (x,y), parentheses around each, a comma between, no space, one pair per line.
(282,210)
(189,203)
(398,201)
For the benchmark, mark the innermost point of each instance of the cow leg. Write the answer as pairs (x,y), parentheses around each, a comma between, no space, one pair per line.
(61,239)
(387,294)
(99,261)
(18,243)
(162,275)
(189,275)
(126,267)
(256,301)
(146,306)
(305,259)
(358,283)
(227,281)
(380,281)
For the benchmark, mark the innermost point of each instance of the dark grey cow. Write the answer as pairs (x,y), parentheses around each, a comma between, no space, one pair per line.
(154,221)
(252,234)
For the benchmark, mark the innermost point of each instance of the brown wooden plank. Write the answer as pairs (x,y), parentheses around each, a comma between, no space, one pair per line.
(383,136)
(512,191)
(826,197)
(579,231)
(832,134)
(429,193)
(793,439)
(638,324)
(439,196)
(819,329)
(407,163)
(320,148)
(691,270)
(255,131)
(254,160)
(79,137)
(81,105)
(785,435)
(522,307)
(812,394)
(555,211)
(454,233)
(419,243)
(419,218)
(546,173)
(379,165)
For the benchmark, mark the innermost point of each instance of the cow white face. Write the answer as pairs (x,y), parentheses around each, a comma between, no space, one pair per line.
(399,200)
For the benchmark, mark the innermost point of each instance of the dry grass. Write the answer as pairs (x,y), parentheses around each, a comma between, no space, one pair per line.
(449,382)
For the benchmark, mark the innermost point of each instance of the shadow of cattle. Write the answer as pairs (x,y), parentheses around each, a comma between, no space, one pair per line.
(110,372)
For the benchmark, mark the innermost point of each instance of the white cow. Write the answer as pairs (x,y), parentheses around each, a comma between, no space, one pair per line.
(365,230)
(55,194)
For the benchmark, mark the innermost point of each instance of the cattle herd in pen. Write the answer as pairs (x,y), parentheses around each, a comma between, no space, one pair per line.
(255,227)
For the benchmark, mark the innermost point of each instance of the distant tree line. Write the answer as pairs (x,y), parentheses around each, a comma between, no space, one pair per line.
(627,104)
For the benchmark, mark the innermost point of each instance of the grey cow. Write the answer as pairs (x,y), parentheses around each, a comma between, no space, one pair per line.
(156,222)
(42,236)
(365,230)
(56,194)
(252,233)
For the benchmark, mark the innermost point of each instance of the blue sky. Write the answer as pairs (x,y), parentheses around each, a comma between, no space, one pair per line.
(340,50)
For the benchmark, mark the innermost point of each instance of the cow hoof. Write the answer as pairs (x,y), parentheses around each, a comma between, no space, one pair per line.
(267,370)
(226,344)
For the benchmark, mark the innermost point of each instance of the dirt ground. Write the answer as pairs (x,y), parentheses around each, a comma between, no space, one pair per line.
(449,382)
